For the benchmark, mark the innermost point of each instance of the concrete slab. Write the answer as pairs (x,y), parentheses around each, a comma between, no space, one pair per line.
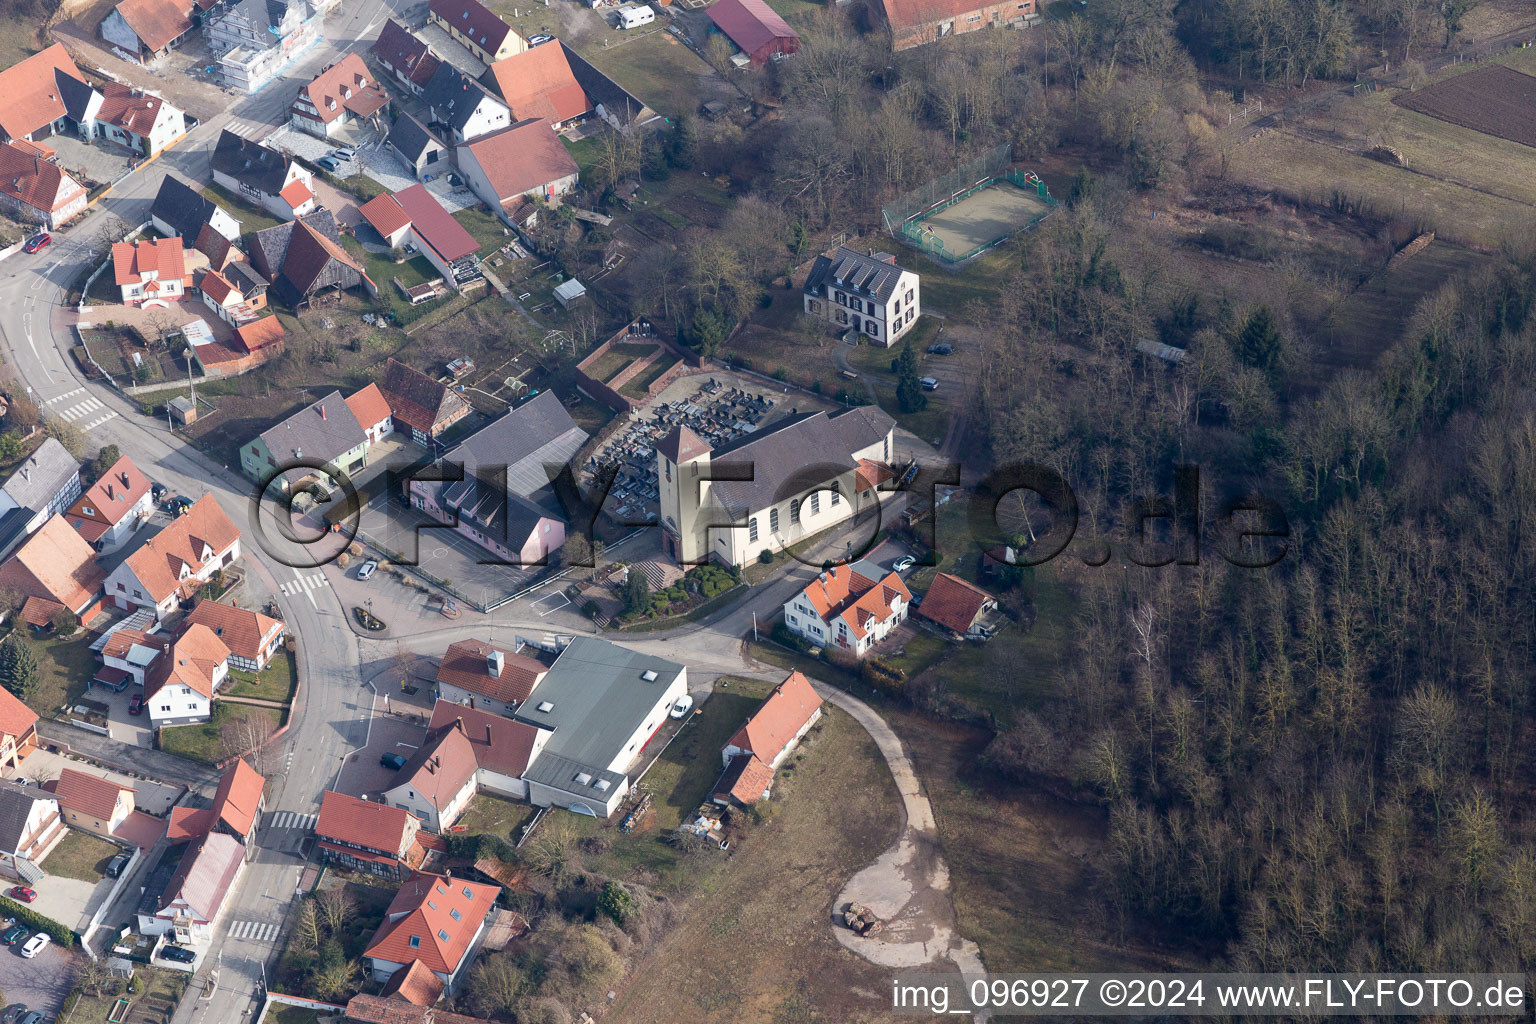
(41,982)
(399,731)
(66,900)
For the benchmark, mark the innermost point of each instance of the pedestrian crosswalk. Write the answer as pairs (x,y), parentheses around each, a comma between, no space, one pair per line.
(78,407)
(257,931)
(289,819)
(303,584)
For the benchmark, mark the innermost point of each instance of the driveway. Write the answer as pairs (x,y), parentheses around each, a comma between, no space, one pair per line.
(398,731)
(154,797)
(41,982)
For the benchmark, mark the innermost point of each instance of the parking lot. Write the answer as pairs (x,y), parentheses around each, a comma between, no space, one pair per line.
(397,731)
(41,982)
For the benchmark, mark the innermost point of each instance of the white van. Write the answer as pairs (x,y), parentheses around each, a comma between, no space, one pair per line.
(634,17)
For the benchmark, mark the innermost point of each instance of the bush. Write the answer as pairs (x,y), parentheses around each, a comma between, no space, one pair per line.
(485,844)
(37,922)
(881,675)
(784,636)
(617,902)
(766,557)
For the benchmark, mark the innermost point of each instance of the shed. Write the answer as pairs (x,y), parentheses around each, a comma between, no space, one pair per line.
(183,410)
(756,28)
(570,291)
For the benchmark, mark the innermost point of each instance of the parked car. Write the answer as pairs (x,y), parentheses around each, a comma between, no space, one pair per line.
(343,153)
(539,39)
(39,242)
(15,935)
(683,706)
(36,944)
(22,893)
(116,865)
(394,762)
(179,954)
(848,374)
(929,384)
(35,1017)
(367,569)
(136,704)
(177,505)
(13,1013)
(905,563)
(328,163)
(157,491)
(940,350)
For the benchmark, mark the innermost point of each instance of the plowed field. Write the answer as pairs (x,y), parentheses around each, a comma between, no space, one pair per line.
(1494,100)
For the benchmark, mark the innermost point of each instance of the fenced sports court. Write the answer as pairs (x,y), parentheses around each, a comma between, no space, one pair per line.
(971,209)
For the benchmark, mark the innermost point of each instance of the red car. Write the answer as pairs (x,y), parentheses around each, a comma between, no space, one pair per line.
(136,705)
(22,893)
(38,242)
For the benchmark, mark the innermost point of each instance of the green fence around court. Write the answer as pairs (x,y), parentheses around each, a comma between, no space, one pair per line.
(911,232)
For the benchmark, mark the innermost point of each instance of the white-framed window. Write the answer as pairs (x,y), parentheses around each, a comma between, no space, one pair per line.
(837,493)
(751,529)
(815,503)
(794,511)
(773,520)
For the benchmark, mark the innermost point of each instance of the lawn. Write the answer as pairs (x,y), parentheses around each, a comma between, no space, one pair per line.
(281,1014)
(276,682)
(496,816)
(636,386)
(250,218)
(584,151)
(159,992)
(659,70)
(64,666)
(947,290)
(81,855)
(485,228)
(201,742)
(18,36)
(615,359)
(383,270)
(753,941)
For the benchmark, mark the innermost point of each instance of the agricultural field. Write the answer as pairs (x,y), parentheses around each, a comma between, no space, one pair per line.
(1495,100)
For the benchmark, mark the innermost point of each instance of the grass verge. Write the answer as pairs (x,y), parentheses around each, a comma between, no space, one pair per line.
(277,681)
(201,742)
(81,855)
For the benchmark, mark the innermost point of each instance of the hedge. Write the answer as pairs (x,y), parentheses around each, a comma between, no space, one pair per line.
(37,922)
(485,844)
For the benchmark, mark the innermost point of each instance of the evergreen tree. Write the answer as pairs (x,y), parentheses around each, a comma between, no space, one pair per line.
(909,392)
(1258,345)
(105,460)
(682,143)
(637,593)
(18,667)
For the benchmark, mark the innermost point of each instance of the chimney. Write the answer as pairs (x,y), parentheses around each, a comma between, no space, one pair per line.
(494,662)
(322,412)
(487,733)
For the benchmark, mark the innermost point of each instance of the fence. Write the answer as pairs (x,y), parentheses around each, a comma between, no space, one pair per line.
(966,178)
(926,242)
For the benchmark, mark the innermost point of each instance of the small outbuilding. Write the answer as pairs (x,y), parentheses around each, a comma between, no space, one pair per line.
(569,292)
(756,29)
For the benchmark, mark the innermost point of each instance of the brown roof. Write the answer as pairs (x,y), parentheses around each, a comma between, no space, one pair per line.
(158,562)
(38,612)
(29,179)
(55,563)
(346,86)
(441,767)
(681,445)
(88,794)
(367,823)
(539,83)
(953,603)
(778,719)
(106,502)
(259,334)
(148,259)
(310,251)
(31,92)
(205,874)
(129,108)
(424,909)
(522,158)
(910,14)
(16,719)
(369,406)
(399,49)
(500,745)
(380,1010)
(239,797)
(241,630)
(745,779)
(474,20)
(121,641)
(156,22)
(415,983)
(417,400)
(466,665)
(188,823)
(216,286)
(191,661)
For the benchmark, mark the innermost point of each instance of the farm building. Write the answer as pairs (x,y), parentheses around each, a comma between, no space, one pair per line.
(756,29)
(910,23)
(146,29)
(526,159)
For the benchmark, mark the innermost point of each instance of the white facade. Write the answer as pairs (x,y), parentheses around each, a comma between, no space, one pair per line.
(490,115)
(730,750)
(479,183)
(272,203)
(176,704)
(221,221)
(883,323)
(170,125)
(129,593)
(802,619)
(248,60)
(433,818)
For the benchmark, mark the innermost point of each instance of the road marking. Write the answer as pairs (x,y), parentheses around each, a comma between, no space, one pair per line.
(550,597)
(98,422)
(302,584)
(290,819)
(80,409)
(67,394)
(256,931)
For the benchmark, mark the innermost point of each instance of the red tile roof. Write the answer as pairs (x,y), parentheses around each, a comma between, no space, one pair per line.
(188,823)
(156,22)
(441,767)
(16,719)
(109,500)
(466,665)
(366,823)
(259,334)
(752,25)
(88,794)
(239,797)
(384,214)
(192,660)
(953,603)
(539,83)
(435,225)
(420,923)
(841,593)
(129,109)
(216,287)
(55,563)
(911,14)
(242,630)
(38,612)
(148,259)
(745,779)
(369,406)
(365,1009)
(416,984)
(500,745)
(522,158)
(475,21)
(202,529)
(31,91)
(29,179)
(778,719)
(296,193)
(345,87)
(121,641)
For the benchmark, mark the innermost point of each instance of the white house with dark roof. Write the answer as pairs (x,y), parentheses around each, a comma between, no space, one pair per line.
(46,483)
(264,177)
(799,476)
(466,107)
(31,825)
(418,148)
(863,292)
